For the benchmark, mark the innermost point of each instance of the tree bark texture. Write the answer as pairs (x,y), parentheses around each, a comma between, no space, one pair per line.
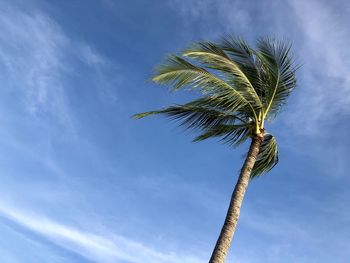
(224,241)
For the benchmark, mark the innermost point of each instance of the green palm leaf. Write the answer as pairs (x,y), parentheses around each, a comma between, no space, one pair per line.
(214,57)
(278,73)
(244,55)
(179,73)
(233,135)
(193,116)
(267,157)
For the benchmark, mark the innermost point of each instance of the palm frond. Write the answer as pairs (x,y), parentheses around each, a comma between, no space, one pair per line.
(179,73)
(238,49)
(278,72)
(244,55)
(221,104)
(214,57)
(193,116)
(267,157)
(233,135)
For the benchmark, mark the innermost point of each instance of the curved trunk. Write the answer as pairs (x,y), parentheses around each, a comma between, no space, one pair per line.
(229,227)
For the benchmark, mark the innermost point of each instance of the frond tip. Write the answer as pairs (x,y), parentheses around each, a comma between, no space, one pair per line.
(193,116)
(267,157)
(144,114)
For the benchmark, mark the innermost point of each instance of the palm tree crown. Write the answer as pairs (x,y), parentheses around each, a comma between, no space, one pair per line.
(241,87)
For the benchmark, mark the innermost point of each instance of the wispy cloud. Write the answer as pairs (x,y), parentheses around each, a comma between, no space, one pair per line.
(36,57)
(216,17)
(40,66)
(105,247)
(31,53)
(326,83)
(294,237)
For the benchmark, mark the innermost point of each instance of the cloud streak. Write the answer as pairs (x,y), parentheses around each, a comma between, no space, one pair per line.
(31,53)
(106,247)
(326,82)
(37,57)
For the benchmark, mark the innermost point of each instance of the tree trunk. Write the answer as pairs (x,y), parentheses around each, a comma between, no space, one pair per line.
(229,227)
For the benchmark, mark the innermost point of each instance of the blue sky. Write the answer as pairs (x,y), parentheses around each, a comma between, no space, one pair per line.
(80,181)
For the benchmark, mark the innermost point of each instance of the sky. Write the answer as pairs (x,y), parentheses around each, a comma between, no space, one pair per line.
(80,181)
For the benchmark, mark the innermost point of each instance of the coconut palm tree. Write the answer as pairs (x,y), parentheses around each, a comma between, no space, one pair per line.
(240,88)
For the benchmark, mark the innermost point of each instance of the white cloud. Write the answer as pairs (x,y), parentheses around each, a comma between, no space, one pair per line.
(31,51)
(91,57)
(215,16)
(35,57)
(325,86)
(106,247)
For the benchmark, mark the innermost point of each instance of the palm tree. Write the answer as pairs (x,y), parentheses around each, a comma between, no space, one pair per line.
(240,88)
